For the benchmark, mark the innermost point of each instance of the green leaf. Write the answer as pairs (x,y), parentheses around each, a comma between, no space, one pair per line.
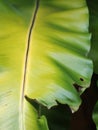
(57,116)
(47,65)
(58,53)
(93,9)
(15,17)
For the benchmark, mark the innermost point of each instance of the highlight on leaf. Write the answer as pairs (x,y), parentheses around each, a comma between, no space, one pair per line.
(44,48)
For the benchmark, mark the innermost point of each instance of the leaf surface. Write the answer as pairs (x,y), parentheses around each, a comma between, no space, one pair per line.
(47,65)
(15,19)
(58,53)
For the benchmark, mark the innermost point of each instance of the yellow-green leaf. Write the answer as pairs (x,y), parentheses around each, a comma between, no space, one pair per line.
(46,64)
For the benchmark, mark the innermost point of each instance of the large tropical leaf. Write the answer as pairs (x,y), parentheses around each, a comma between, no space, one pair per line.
(48,65)
(59,51)
(15,17)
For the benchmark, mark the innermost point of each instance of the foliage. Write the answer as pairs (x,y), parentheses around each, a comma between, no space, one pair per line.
(44,61)
(93,9)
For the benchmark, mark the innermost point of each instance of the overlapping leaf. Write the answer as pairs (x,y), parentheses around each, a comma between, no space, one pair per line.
(57,61)
(58,53)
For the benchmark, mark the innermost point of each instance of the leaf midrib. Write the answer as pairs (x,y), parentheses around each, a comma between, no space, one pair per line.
(26,65)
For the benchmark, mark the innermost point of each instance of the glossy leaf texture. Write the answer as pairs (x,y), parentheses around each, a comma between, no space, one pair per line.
(58,53)
(57,59)
(15,19)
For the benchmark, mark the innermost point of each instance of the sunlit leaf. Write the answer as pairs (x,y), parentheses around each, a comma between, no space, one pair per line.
(51,68)
(58,53)
(15,17)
